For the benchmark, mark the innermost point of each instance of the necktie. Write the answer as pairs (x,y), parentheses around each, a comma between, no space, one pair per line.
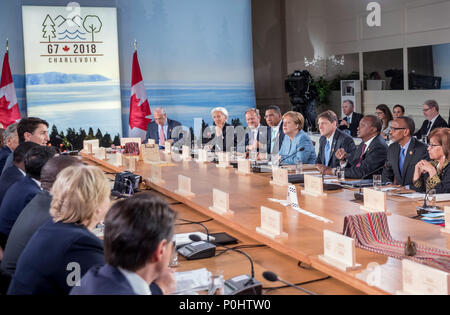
(273,140)
(327,153)
(429,127)
(162,138)
(401,160)
(362,154)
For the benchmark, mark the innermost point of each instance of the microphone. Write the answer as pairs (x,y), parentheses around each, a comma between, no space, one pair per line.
(289,156)
(71,146)
(199,249)
(243,284)
(271,276)
(360,195)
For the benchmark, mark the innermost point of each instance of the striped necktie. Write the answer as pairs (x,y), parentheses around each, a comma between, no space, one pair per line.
(362,154)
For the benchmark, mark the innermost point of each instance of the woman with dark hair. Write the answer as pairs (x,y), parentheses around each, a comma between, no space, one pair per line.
(435,174)
(384,114)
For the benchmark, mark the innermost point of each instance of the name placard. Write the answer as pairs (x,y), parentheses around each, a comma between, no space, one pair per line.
(156,176)
(339,251)
(374,200)
(186,153)
(184,186)
(221,202)
(124,141)
(130,163)
(94,144)
(243,167)
(224,159)
(447,220)
(313,186)
(168,147)
(419,279)
(151,141)
(202,156)
(150,154)
(280,176)
(118,161)
(100,153)
(271,223)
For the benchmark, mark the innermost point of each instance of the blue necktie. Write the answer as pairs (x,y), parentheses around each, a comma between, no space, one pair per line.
(327,153)
(401,159)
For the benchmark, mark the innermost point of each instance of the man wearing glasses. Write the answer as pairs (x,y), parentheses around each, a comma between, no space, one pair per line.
(433,119)
(404,153)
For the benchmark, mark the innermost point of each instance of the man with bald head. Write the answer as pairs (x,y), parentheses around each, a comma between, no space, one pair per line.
(161,128)
(35,213)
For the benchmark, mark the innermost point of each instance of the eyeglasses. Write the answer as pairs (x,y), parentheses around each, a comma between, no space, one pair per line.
(426,109)
(379,113)
(434,145)
(395,129)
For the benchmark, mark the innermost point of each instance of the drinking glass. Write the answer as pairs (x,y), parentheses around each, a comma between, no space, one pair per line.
(299,167)
(341,175)
(376,182)
(431,198)
(216,283)
(174,256)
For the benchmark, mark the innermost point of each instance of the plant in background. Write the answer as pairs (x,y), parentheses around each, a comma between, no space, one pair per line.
(323,89)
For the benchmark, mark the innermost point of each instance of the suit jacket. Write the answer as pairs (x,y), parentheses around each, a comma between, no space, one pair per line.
(373,158)
(442,185)
(438,123)
(301,140)
(9,177)
(340,140)
(16,198)
(107,280)
(32,217)
(417,151)
(356,118)
(8,163)
(153,130)
(5,151)
(280,139)
(47,262)
(224,142)
(262,137)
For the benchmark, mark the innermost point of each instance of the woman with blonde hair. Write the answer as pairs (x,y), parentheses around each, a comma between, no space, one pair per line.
(435,174)
(297,146)
(64,248)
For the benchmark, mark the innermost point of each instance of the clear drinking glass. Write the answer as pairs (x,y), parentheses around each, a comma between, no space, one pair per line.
(299,167)
(376,182)
(431,198)
(216,283)
(341,175)
(275,159)
(174,256)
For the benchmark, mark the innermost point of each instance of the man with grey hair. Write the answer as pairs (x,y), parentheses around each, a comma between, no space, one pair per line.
(11,141)
(351,119)
(433,119)
(161,128)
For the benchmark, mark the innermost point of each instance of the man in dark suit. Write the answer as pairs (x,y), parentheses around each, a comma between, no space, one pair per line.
(331,140)
(15,172)
(369,156)
(133,263)
(404,153)
(10,143)
(161,129)
(35,213)
(350,121)
(21,193)
(256,136)
(432,119)
(275,134)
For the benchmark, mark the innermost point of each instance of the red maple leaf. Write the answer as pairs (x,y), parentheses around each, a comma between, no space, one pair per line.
(138,113)
(66,49)
(8,116)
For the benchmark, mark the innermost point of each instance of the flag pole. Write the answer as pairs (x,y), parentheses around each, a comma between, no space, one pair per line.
(7,45)
(135,45)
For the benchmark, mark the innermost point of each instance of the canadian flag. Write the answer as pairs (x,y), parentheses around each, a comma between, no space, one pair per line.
(139,107)
(9,109)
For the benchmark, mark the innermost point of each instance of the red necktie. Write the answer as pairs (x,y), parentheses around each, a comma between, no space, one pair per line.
(162,139)
(362,154)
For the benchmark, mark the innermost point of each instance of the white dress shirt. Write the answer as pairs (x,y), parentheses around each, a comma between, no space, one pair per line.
(139,285)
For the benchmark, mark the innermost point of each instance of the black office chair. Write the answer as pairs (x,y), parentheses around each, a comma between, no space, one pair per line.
(5,280)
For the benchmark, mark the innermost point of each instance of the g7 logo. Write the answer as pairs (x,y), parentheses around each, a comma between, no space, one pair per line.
(374,17)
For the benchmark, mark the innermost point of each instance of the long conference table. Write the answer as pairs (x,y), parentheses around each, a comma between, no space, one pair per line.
(247,193)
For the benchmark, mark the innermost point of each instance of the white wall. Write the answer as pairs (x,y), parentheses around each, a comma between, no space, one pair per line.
(335,27)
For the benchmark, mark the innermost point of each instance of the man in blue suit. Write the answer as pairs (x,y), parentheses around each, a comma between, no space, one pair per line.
(331,140)
(11,141)
(161,129)
(138,247)
(275,133)
(19,194)
(15,172)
